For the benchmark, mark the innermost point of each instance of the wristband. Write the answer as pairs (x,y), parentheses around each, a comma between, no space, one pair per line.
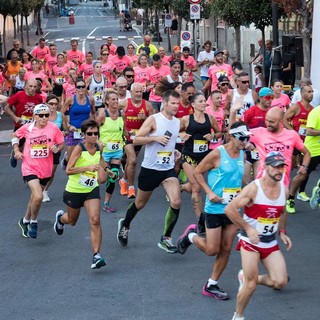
(14,141)
(106,168)
(283,231)
(306,167)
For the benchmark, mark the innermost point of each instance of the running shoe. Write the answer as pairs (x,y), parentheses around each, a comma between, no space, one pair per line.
(214,291)
(122,234)
(45,196)
(33,230)
(166,244)
(236,317)
(24,228)
(58,226)
(315,198)
(98,262)
(240,279)
(123,187)
(108,208)
(13,160)
(183,241)
(131,193)
(303,197)
(290,206)
(63,163)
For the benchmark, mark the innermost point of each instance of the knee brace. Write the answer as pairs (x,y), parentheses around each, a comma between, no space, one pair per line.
(115,169)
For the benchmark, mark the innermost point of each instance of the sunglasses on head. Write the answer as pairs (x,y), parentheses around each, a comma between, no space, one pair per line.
(245,82)
(242,138)
(41,115)
(80,87)
(268,98)
(91,133)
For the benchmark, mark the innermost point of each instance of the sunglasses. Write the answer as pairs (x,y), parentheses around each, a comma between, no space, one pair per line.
(223,84)
(242,138)
(104,54)
(268,98)
(80,87)
(245,82)
(130,76)
(91,133)
(41,115)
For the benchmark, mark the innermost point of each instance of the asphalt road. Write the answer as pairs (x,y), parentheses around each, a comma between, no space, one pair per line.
(50,277)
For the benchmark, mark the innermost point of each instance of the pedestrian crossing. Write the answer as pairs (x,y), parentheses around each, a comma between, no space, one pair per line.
(97,38)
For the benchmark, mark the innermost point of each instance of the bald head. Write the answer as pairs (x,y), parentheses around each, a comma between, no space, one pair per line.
(121,81)
(136,86)
(274,119)
(147,40)
(276,112)
(305,82)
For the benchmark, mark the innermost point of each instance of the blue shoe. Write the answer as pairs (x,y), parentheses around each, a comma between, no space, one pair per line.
(33,230)
(315,198)
(13,160)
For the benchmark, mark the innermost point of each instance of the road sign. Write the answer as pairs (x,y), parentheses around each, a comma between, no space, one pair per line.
(185,39)
(168,20)
(194,1)
(195,11)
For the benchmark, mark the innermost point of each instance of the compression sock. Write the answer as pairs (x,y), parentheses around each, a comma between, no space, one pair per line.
(131,213)
(170,221)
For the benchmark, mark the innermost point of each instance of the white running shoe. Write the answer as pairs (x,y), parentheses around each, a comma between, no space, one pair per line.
(45,196)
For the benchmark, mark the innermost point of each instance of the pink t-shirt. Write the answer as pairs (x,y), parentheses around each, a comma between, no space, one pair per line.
(120,64)
(155,75)
(60,74)
(75,55)
(189,63)
(216,71)
(28,66)
(166,60)
(69,89)
(37,156)
(50,62)
(283,102)
(40,53)
(112,49)
(219,116)
(134,59)
(284,141)
(32,75)
(106,69)
(141,75)
(86,70)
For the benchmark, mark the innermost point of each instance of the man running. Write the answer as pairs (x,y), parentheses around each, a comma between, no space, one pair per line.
(264,216)
(159,133)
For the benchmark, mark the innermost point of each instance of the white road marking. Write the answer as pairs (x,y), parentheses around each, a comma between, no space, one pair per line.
(92,32)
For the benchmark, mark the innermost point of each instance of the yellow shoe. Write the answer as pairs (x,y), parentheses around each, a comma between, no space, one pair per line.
(123,187)
(303,197)
(131,193)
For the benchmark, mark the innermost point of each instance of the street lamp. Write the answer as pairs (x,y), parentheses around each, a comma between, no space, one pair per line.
(276,62)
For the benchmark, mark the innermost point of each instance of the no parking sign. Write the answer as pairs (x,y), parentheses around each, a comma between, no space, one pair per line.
(195,11)
(185,39)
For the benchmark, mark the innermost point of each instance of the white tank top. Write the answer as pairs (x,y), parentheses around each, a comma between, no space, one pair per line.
(170,80)
(156,156)
(19,84)
(248,102)
(96,90)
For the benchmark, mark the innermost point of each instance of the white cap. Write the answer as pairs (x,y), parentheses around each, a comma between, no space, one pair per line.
(242,131)
(40,108)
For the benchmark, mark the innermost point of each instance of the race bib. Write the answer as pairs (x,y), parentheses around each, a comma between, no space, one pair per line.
(39,151)
(60,80)
(255,154)
(26,119)
(114,145)
(77,134)
(200,146)
(228,194)
(303,130)
(88,179)
(164,157)
(267,226)
(98,97)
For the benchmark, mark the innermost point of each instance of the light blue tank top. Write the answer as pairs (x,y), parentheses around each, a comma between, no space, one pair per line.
(58,120)
(225,180)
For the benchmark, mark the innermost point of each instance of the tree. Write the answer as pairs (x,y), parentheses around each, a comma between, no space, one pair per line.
(303,9)
(37,10)
(27,6)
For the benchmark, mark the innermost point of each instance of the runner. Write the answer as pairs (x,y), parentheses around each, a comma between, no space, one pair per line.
(42,139)
(86,169)
(159,133)
(264,215)
(225,167)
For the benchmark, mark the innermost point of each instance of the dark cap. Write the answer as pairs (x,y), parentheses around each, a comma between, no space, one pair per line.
(185,49)
(120,51)
(217,52)
(275,159)
(223,78)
